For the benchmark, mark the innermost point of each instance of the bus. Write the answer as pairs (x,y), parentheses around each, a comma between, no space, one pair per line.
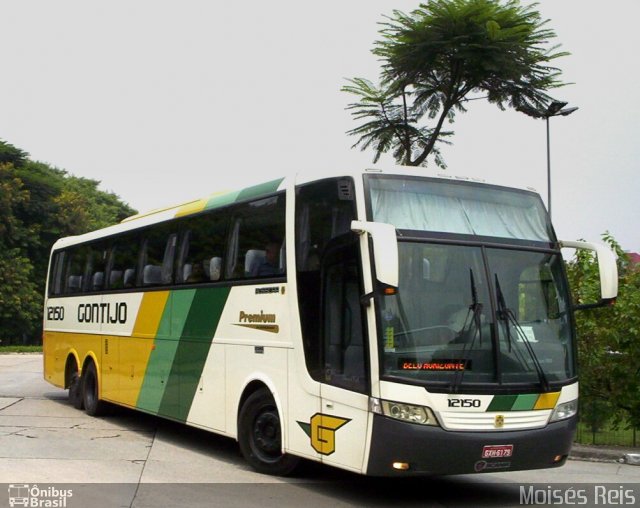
(389,322)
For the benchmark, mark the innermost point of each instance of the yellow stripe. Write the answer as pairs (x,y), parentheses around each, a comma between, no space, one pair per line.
(193,207)
(155,211)
(134,352)
(133,357)
(150,314)
(547,400)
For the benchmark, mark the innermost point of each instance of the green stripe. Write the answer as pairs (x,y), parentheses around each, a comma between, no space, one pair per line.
(181,302)
(166,344)
(225,199)
(244,194)
(164,328)
(525,402)
(205,313)
(502,403)
(259,190)
(156,375)
(193,347)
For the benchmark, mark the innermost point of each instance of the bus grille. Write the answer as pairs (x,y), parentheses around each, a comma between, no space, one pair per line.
(513,420)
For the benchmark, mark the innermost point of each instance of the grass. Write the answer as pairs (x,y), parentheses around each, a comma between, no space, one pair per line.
(607,436)
(20,349)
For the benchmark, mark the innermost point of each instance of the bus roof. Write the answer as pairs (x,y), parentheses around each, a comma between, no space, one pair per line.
(224,198)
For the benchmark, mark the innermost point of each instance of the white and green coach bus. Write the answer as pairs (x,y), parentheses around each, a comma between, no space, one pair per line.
(387,322)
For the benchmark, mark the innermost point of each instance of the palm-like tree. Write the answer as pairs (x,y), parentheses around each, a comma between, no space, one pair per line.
(440,56)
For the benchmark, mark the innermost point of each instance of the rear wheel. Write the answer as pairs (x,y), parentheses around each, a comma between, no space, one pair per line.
(75,391)
(260,435)
(92,404)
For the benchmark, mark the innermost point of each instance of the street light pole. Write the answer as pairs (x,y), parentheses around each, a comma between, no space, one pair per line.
(548,168)
(556,108)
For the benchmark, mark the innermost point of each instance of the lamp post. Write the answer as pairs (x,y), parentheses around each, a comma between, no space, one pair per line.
(556,108)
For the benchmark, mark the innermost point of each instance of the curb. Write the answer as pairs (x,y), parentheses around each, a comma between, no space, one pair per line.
(623,455)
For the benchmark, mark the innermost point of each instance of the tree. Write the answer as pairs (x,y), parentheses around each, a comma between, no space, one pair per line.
(38,205)
(9,154)
(608,339)
(19,301)
(435,58)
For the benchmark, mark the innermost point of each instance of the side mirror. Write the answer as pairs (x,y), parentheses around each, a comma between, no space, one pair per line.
(385,249)
(607,267)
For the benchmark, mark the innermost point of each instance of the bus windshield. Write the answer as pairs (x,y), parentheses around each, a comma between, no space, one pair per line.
(482,297)
(467,315)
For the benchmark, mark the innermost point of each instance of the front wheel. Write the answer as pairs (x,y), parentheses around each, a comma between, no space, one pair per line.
(260,435)
(93,406)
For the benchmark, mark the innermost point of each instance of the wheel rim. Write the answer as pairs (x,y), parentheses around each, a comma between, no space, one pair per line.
(265,442)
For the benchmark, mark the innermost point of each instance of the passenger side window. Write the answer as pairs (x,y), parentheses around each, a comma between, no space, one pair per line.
(75,270)
(123,268)
(257,240)
(201,249)
(94,278)
(56,281)
(158,250)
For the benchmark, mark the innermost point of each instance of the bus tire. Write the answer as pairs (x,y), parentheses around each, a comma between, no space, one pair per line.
(93,406)
(75,391)
(260,435)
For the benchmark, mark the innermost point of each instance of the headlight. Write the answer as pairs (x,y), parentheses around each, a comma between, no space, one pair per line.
(404,412)
(564,411)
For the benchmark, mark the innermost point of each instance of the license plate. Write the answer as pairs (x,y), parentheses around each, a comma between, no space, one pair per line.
(497,451)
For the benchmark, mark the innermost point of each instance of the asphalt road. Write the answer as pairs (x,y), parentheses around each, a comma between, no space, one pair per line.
(134,460)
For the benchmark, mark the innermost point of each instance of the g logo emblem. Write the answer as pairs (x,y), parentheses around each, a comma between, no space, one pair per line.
(322,431)
(498,422)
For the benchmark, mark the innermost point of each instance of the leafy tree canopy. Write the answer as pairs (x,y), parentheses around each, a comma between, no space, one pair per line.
(608,339)
(38,205)
(435,58)
(9,154)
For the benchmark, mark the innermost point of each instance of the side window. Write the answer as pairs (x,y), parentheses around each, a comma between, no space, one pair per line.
(80,269)
(56,277)
(324,210)
(74,277)
(94,273)
(201,249)
(343,350)
(158,250)
(123,263)
(257,240)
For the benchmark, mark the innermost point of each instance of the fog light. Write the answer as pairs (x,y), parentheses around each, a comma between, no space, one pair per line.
(401,466)
(558,458)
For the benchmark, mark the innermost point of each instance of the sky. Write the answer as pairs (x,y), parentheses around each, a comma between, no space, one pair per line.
(167,101)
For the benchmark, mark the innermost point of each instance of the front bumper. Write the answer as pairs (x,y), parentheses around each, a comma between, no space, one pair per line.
(433,450)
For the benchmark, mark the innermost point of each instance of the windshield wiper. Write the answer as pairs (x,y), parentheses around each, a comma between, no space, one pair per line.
(475,312)
(507,315)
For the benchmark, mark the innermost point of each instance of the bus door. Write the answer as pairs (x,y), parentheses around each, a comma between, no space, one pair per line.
(342,423)
(334,337)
